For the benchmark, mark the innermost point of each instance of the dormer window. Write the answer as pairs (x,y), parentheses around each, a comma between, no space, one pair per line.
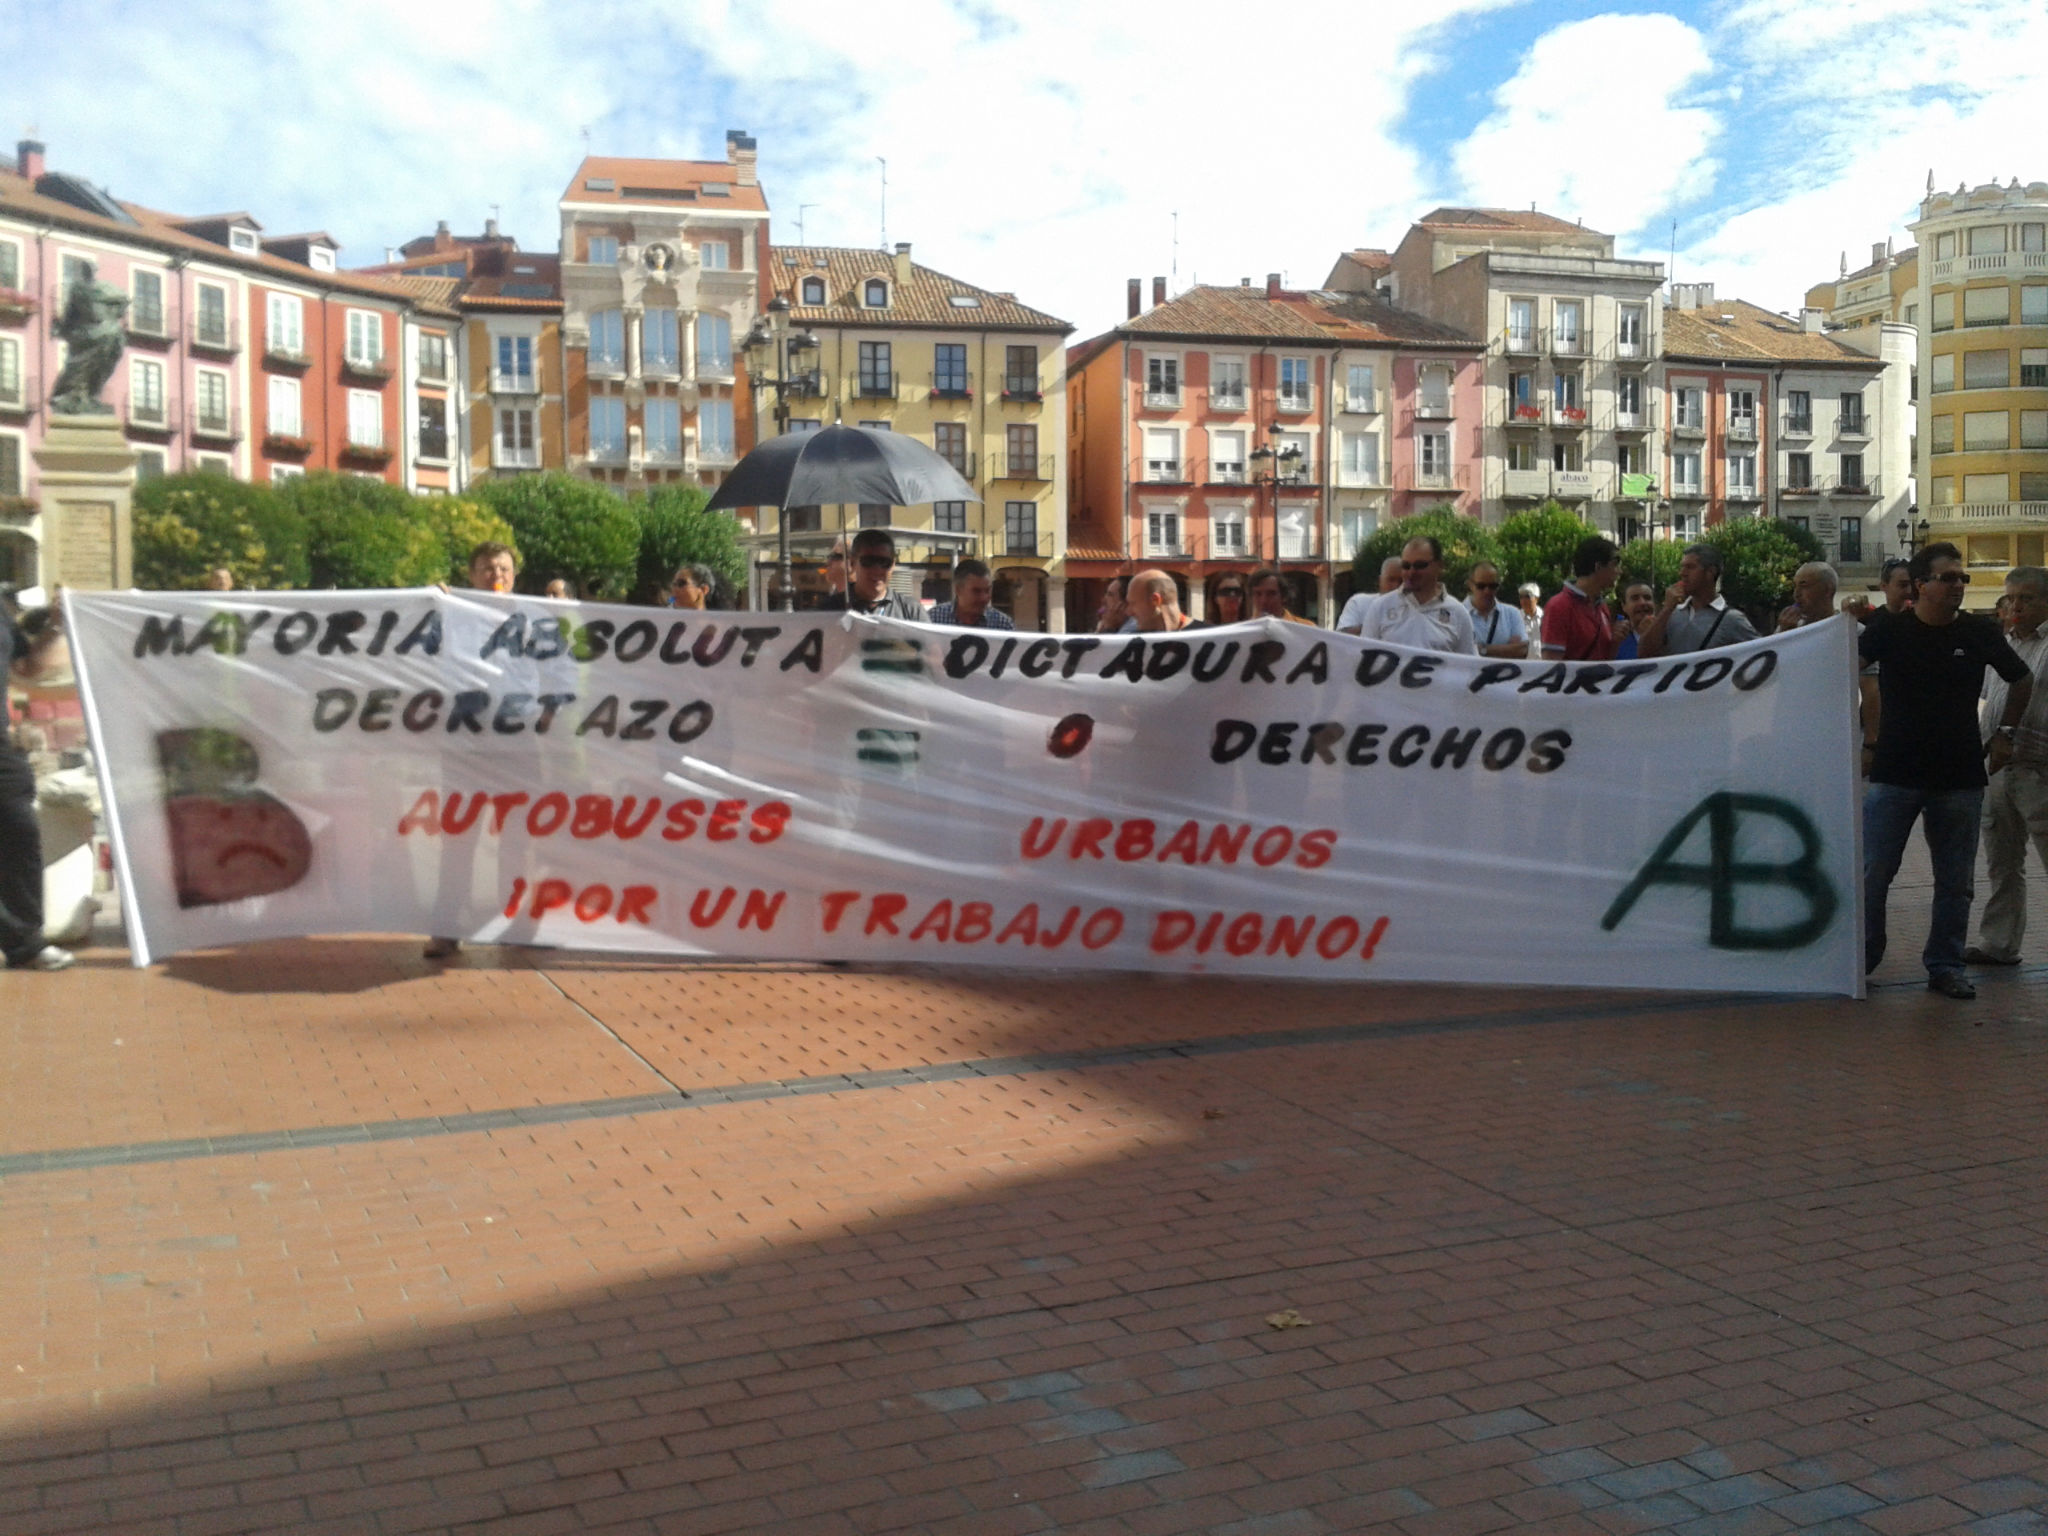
(243,240)
(814,290)
(875,293)
(320,258)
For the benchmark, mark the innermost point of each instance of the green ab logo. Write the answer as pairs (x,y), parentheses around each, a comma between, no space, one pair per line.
(1723,875)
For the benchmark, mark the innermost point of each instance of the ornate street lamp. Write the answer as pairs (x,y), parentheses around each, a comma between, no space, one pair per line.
(773,352)
(1282,464)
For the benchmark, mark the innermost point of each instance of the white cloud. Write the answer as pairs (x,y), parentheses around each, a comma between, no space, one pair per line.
(1039,146)
(1592,126)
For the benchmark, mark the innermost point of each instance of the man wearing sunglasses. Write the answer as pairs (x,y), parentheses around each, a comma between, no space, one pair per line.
(1497,630)
(1421,614)
(873,557)
(1929,761)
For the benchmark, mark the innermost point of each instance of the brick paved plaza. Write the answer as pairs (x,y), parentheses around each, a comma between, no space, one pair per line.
(310,1237)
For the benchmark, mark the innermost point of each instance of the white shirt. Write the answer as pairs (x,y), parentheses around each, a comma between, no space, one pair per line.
(1510,630)
(1355,607)
(1991,706)
(1441,624)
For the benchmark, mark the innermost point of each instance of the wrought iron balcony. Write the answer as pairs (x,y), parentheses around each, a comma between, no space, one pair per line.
(222,426)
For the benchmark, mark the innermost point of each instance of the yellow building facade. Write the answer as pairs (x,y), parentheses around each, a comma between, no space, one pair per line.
(1983,441)
(512,364)
(971,373)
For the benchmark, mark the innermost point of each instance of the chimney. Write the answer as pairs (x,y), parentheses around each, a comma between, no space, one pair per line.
(490,229)
(902,262)
(1134,298)
(1158,291)
(1244,282)
(1879,250)
(443,241)
(28,158)
(739,151)
(1811,320)
(1272,285)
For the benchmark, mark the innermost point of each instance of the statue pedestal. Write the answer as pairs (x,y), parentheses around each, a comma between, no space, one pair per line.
(88,483)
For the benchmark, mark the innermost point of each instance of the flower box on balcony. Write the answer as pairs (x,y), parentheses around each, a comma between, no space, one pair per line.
(1572,413)
(16,305)
(287,443)
(1029,395)
(369,453)
(1529,413)
(950,394)
(374,369)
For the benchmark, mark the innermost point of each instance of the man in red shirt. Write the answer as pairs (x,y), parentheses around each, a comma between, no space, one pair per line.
(1575,622)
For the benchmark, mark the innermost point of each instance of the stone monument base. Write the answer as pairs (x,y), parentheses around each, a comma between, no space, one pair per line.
(87,474)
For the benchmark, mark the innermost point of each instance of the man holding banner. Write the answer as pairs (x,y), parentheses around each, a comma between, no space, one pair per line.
(21,842)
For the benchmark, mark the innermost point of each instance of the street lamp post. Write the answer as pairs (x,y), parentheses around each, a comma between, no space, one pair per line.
(1913,534)
(772,349)
(1275,458)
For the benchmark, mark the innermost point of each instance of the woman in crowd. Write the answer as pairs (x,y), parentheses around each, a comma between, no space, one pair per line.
(1227,600)
(692,586)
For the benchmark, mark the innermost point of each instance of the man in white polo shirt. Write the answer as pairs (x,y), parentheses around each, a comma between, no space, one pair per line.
(1497,628)
(1421,613)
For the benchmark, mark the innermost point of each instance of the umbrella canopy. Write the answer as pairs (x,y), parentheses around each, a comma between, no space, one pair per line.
(841,464)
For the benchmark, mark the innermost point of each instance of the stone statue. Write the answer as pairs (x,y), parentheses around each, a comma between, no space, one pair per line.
(91,328)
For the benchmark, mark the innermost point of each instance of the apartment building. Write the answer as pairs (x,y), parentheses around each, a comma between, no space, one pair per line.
(1772,416)
(1572,338)
(664,263)
(978,375)
(1882,291)
(432,405)
(1228,428)
(1983,292)
(511,363)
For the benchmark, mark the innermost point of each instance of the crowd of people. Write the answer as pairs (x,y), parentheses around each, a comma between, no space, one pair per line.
(1960,752)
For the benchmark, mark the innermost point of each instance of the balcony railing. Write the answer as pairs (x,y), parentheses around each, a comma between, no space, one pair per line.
(290,352)
(1226,397)
(665,456)
(147,324)
(504,457)
(1636,421)
(515,383)
(18,394)
(1852,426)
(1743,493)
(1865,488)
(1522,343)
(215,336)
(607,453)
(954,386)
(1435,480)
(1366,404)
(1527,484)
(370,366)
(1571,484)
(1023,391)
(1688,426)
(1432,409)
(605,365)
(1524,413)
(1226,472)
(1017,543)
(716,366)
(876,386)
(717,455)
(222,426)
(1568,343)
(1630,351)
(1568,418)
(434,372)
(366,442)
(805,386)
(663,366)
(1986,265)
(1989,512)
(1162,399)
(1163,471)
(1295,399)
(1013,467)
(1742,429)
(1797,426)
(143,416)
(434,444)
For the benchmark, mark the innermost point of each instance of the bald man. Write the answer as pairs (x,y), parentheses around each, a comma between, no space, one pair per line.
(1155,603)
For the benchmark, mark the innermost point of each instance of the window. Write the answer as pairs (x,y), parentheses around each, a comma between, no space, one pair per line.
(1634,323)
(1944,491)
(365,338)
(1226,457)
(1852,540)
(1360,396)
(279,473)
(1020,527)
(2031,237)
(1565,318)
(2034,368)
(949,441)
(1981,488)
(1986,370)
(210,400)
(1162,532)
(1742,410)
(1944,372)
(874,514)
(1521,453)
(1226,382)
(661,428)
(949,516)
(1020,371)
(660,342)
(1021,448)
(1521,325)
(2034,305)
(1162,453)
(1851,420)
(1295,393)
(1742,474)
(1798,471)
(1687,410)
(1945,247)
(1565,395)
(714,428)
(1912,315)
(1566,456)
(1433,392)
(874,293)
(145,385)
(1162,380)
(1226,532)
(1297,461)
(433,356)
(10,464)
(2034,429)
(10,265)
(1986,429)
(1359,458)
(1433,456)
(146,305)
(875,426)
(607,351)
(1944,311)
(210,323)
(949,368)
(284,326)
(243,240)
(283,418)
(1852,471)
(604,250)
(433,429)
(1628,458)
(812,291)
(1986,306)
(1944,434)
(365,419)
(1987,240)
(716,256)
(149,464)
(1296,530)
(876,377)
(1798,410)
(1522,405)
(804,424)
(2033,487)
(11,383)
(515,362)
(714,344)
(515,436)
(1685,473)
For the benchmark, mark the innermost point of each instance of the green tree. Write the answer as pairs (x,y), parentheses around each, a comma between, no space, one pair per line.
(1635,565)
(1538,546)
(567,527)
(187,525)
(1466,541)
(676,530)
(1758,556)
(366,533)
(462,525)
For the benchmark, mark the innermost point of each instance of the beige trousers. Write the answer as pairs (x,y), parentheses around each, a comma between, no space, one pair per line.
(2015,813)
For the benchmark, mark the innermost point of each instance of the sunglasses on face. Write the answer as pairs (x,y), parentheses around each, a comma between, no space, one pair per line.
(876,562)
(1960,578)
(1417,565)
(1485,586)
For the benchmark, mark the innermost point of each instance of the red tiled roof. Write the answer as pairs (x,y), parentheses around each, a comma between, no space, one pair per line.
(506,286)
(670,183)
(1729,330)
(1372,258)
(1501,218)
(1363,319)
(434,295)
(1332,319)
(925,302)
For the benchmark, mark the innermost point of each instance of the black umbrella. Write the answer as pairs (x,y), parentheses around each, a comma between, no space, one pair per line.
(841,464)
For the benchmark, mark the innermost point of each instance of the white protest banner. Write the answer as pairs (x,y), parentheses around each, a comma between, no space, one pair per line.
(1267,798)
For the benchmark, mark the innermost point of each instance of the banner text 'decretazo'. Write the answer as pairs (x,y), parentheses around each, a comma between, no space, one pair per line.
(1262,799)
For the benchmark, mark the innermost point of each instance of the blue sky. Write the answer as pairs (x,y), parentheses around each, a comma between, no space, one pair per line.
(1045,146)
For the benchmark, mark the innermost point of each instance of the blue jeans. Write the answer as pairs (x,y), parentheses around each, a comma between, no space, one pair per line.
(1949,819)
